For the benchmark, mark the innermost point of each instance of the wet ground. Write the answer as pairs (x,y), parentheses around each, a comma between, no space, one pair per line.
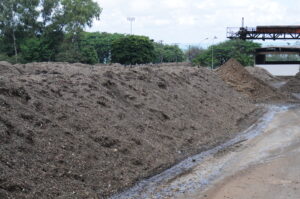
(265,167)
(262,162)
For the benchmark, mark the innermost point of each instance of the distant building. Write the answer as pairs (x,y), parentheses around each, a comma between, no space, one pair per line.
(279,61)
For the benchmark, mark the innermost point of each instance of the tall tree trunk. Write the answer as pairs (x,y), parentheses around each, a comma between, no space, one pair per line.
(13,32)
(15,46)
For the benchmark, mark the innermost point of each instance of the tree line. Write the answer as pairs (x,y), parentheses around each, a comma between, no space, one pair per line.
(217,55)
(53,30)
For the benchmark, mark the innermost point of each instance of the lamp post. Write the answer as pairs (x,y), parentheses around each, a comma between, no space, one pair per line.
(131,19)
(212,53)
(198,45)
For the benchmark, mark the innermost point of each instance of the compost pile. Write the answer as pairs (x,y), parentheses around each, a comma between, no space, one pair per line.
(293,85)
(80,131)
(261,73)
(235,75)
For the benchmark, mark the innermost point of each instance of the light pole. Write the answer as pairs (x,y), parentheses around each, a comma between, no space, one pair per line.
(131,19)
(197,46)
(212,53)
(204,39)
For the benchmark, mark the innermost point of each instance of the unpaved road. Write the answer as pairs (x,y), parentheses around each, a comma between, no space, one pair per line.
(266,167)
(264,164)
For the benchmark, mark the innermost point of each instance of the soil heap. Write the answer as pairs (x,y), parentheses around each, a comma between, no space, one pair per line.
(261,73)
(235,75)
(293,85)
(80,131)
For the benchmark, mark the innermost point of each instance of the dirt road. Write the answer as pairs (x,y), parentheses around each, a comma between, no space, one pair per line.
(266,167)
(264,164)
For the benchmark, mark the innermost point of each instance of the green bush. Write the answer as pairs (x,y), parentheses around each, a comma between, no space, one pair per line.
(132,50)
(89,55)
(35,50)
(167,53)
(68,55)
(242,51)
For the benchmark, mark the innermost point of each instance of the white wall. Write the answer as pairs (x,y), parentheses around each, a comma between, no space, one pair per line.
(281,69)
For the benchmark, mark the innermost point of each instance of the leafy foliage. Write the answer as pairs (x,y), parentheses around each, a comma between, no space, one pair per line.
(76,14)
(167,53)
(52,30)
(193,52)
(31,50)
(102,43)
(22,21)
(72,52)
(89,55)
(243,51)
(132,49)
(17,20)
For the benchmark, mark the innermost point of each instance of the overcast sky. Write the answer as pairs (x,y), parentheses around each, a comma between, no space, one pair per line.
(191,21)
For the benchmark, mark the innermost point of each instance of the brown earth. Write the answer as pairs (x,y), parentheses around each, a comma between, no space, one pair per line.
(261,73)
(80,131)
(236,76)
(293,85)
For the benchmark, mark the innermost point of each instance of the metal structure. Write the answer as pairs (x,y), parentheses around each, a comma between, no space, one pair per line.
(212,53)
(264,33)
(131,20)
(284,67)
(261,53)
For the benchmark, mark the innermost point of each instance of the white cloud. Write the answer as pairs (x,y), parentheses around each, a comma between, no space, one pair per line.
(161,22)
(190,21)
(174,4)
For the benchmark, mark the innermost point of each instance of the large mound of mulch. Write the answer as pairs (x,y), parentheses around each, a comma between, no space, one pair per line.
(235,75)
(80,131)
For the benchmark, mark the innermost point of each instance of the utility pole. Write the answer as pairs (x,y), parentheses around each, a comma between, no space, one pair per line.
(243,22)
(189,54)
(212,53)
(176,44)
(161,55)
(131,20)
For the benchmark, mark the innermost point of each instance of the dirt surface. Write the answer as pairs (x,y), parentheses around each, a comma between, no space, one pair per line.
(273,173)
(80,131)
(276,179)
(235,75)
(261,162)
(262,74)
(292,85)
(196,172)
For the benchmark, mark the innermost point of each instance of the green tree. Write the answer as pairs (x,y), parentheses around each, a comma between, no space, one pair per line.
(102,43)
(167,53)
(17,20)
(36,22)
(192,52)
(89,55)
(71,17)
(40,48)
(49,12)
(172,53)
(132,49)
(75,15)
(83,53)
(31,50)
(243,51)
